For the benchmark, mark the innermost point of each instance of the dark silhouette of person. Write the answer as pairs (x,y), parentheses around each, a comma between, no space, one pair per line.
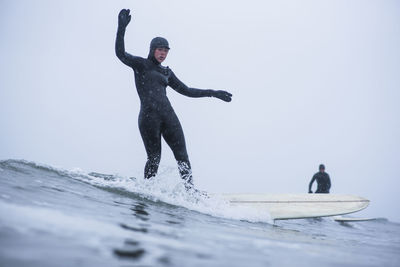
(323,181)
(157,118)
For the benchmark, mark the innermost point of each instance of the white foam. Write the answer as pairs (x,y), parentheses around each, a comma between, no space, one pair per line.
(168,187)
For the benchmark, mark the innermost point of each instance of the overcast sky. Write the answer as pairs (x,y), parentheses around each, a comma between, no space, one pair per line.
(312,82)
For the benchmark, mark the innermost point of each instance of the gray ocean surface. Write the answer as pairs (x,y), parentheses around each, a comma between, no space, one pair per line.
(53,217)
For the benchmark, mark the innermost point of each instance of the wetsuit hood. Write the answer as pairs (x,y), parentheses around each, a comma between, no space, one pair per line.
(157,42)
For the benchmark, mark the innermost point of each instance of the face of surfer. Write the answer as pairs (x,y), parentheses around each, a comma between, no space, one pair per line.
(160,54)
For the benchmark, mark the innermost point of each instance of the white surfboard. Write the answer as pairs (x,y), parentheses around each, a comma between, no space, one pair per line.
(299,206)
(352,219)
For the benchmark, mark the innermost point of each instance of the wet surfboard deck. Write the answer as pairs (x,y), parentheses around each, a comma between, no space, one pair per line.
(299,206)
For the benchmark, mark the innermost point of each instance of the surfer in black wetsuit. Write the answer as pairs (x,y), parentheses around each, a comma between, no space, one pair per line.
(323,181)
(157,117)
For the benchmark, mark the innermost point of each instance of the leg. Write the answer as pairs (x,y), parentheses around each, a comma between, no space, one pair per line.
(173,135)
(151,167)
(149,127)
(185,171)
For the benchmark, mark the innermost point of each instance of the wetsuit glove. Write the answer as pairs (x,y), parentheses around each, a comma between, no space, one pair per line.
(223,95)
(124,18)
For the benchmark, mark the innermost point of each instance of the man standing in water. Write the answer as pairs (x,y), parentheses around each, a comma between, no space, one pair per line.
(323,181)
(157,118)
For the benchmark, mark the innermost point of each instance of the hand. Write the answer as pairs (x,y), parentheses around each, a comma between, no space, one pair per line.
(124,18)
(223,95)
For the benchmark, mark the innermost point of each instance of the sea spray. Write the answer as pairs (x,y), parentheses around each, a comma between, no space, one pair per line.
(165,187)
(169,188)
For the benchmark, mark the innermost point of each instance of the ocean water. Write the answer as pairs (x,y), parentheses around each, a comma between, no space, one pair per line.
(54,217)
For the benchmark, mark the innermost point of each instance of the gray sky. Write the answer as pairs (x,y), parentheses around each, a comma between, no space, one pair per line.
(312,82)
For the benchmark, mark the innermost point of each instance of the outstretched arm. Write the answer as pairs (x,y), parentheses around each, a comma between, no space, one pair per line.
(181,88)
(123,20)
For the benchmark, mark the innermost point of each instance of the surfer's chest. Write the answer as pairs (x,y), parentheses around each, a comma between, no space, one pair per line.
(157,75)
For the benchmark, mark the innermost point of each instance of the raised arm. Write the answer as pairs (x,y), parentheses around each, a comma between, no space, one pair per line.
(123,20)
(181,88)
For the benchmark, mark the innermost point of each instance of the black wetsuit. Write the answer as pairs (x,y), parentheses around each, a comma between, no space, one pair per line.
(157,117)
(323,181)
